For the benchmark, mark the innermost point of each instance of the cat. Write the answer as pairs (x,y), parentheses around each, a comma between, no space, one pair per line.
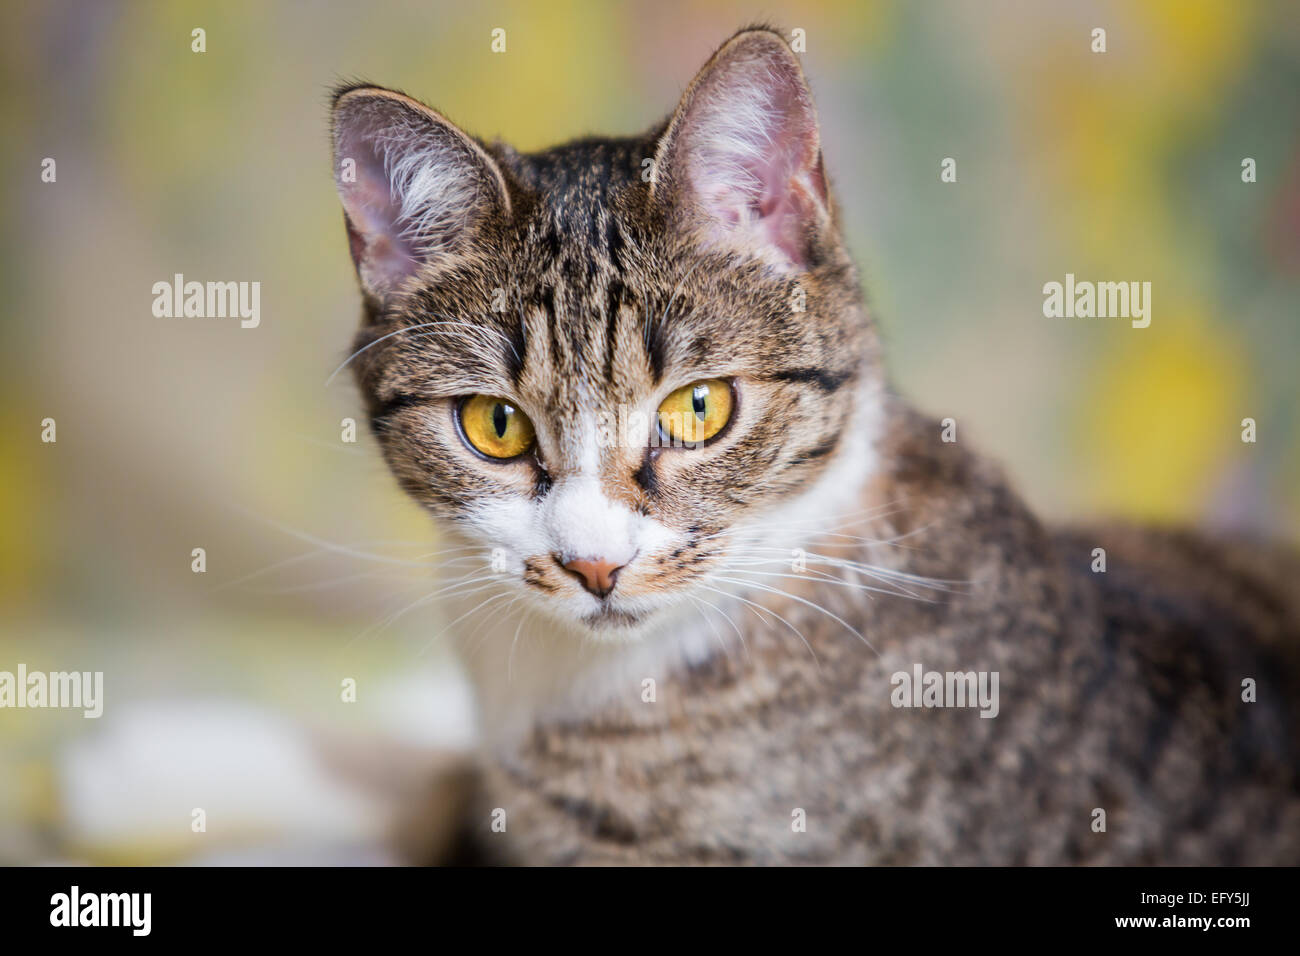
(638,378)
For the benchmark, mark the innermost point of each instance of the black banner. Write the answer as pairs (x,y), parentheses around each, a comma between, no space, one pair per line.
(232,905)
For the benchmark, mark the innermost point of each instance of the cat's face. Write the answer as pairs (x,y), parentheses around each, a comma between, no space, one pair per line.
(610,381)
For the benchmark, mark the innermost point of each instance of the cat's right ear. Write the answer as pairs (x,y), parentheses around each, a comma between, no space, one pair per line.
(414,187)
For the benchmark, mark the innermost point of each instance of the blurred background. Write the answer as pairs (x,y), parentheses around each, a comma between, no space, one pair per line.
(223,689)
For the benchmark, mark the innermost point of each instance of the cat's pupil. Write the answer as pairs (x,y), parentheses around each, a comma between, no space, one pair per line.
(697,400)
(499,419)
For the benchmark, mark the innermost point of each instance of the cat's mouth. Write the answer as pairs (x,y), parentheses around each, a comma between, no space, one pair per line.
(612,617)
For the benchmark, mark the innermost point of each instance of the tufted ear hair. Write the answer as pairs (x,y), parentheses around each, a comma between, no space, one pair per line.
(414,187)
(742,152)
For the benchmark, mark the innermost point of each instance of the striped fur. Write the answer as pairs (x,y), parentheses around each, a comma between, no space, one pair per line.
(777,577)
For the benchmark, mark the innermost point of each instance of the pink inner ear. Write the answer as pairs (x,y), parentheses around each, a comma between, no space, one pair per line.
(375,220)
(766,212)
(751,149)
(420,187)
(375,226)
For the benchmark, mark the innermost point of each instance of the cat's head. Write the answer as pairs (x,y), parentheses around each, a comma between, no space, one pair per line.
(610,363)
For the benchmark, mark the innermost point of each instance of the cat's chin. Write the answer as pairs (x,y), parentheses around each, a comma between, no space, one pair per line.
(615,622)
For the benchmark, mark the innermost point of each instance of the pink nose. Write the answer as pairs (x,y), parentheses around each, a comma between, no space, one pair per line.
(597,574)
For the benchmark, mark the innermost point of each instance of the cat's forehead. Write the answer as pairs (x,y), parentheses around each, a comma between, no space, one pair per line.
(578,269)
(591,299)
(568,179)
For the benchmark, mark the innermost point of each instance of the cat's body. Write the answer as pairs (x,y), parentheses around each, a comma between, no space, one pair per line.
(1118,690)
(687,654)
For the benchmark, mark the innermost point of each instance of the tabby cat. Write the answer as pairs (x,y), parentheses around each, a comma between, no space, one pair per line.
(637,379)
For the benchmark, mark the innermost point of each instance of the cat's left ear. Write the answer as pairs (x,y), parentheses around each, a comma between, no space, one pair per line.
(742,153)
(415,188)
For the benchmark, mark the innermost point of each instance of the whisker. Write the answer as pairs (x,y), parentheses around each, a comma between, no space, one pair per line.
(823,578)
(759,607)
(896,584)
(870,570)
(488,600)
(369,345)
(794,597)
(455,323)
(381,572)
(427,599)
(322,552)
(487,618)
(321,544)
(727,617)
(717,635)
(330,582)
(510,660)
(838,520)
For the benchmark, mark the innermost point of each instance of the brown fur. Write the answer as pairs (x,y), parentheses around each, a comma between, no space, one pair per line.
(1119,690)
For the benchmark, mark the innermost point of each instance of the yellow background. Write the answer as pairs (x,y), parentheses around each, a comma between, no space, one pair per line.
(176,434)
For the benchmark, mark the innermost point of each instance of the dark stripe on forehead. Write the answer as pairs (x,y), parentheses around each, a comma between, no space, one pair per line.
(516,348)
(613,305)
(547,299)
(655,346)
(577,332)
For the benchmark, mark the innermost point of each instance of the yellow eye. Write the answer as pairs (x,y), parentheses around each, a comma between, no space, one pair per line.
(697,412)
(495,427)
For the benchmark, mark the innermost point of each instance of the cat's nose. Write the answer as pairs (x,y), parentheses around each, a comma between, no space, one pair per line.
(597,574)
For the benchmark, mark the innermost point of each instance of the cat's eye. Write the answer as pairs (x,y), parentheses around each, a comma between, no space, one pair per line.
(495,428)
(696,412)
